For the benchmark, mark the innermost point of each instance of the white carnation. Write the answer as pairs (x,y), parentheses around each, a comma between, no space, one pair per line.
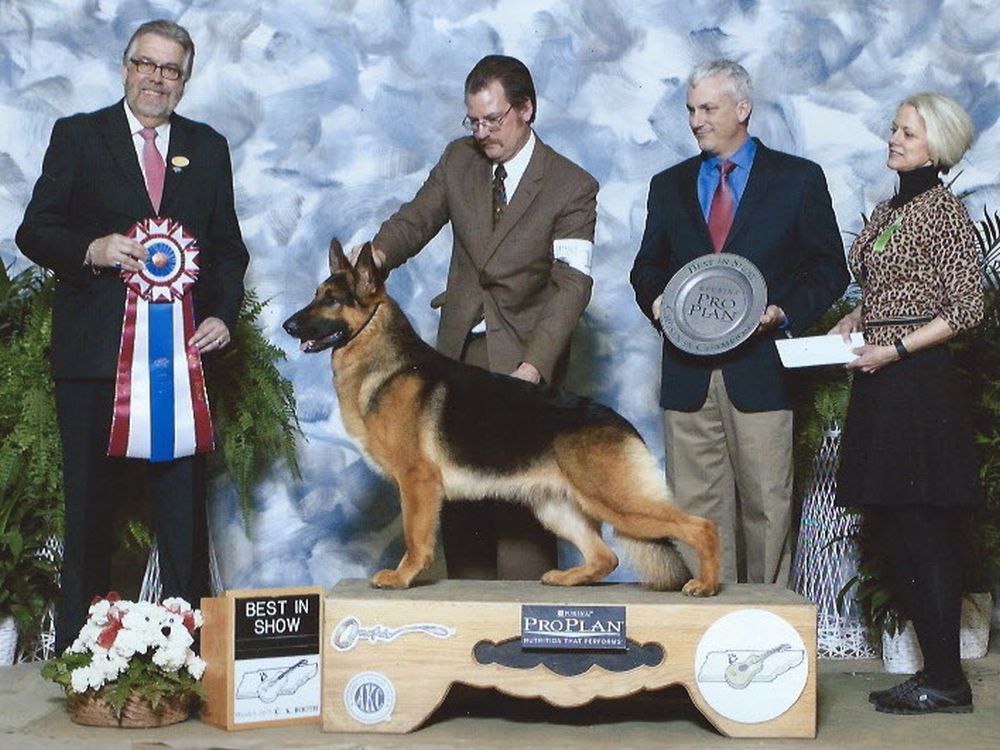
(99,611)
(128,643)
(106,667)
(195,665)
(170,659)
(80,679)
(144,619)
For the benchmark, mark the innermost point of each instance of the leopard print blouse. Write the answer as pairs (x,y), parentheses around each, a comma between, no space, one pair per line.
(928,268)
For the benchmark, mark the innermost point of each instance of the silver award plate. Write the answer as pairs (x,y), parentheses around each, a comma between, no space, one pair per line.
(713,304)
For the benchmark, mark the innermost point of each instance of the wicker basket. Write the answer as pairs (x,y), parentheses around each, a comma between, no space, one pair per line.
(94,711)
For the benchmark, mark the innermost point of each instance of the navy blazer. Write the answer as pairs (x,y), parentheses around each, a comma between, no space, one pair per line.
(786,226)
(91,185)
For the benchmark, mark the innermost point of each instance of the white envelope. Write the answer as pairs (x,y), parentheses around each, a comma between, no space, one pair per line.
(818,350)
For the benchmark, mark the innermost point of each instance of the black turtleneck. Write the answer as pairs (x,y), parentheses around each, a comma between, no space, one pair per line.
(913,183)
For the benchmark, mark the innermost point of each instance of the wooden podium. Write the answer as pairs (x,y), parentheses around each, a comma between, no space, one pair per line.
(747,657)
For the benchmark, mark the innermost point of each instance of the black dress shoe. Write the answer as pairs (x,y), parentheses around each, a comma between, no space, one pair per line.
(916,679)
(926,699)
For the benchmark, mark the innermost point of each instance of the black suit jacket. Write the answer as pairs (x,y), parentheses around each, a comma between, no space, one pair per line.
(91,185)
(786,226)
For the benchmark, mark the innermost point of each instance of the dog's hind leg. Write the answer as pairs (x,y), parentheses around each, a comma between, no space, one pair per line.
(420,493)
(618,481)
(562,516)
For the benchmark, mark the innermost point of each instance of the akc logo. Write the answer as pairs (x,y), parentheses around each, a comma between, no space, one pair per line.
(370,698)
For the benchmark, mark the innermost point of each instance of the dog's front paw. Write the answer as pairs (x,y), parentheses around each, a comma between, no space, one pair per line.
(389,579)
(695,587)
(555,578)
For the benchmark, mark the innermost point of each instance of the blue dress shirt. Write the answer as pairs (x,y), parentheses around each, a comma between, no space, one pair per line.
(708,175)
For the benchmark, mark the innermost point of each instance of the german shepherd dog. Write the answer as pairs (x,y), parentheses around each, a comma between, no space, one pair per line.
(442,429)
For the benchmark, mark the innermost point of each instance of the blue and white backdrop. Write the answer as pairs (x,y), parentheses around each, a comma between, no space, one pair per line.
(335,111)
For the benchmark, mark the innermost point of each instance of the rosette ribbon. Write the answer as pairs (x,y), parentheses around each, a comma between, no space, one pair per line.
(161,408)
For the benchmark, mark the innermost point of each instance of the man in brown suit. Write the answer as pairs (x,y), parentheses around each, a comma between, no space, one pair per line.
(523,223)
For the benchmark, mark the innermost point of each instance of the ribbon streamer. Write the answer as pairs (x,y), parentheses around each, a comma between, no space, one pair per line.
(161,407)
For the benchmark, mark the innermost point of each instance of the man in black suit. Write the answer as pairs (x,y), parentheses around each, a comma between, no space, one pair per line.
(728,419)
(103,172)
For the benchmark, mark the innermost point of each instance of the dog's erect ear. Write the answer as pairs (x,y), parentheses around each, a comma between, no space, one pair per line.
(369,277)
(338,260)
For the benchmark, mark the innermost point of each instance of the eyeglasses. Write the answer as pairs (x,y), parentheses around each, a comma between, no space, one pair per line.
(146,68)
(490,123)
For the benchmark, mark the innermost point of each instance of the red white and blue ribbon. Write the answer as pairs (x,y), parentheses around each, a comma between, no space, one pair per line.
(161,407)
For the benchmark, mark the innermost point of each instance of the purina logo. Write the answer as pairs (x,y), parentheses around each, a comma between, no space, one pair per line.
(561,627)
(370,698)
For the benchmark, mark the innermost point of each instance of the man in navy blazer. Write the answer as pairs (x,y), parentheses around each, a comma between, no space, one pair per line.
(728,420)
(91,191)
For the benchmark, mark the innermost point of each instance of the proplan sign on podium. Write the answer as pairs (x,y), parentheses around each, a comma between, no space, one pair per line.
(263,653)
(747,657)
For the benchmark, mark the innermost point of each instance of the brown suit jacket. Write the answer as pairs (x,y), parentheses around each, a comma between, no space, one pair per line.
(507,276)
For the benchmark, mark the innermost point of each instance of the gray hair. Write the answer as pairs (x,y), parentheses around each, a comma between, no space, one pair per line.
(949,127)
(742,86)
(168,30)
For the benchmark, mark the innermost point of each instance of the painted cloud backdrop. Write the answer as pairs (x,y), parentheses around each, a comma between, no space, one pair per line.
(335,112)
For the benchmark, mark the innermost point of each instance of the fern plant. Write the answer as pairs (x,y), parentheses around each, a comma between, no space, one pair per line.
(821,396)
(253,407)
(30,461)
(978,360)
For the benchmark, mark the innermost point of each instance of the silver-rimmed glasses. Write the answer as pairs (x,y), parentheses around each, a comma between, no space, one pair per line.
(490,123)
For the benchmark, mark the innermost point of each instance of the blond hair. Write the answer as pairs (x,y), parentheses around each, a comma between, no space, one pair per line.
(949,127)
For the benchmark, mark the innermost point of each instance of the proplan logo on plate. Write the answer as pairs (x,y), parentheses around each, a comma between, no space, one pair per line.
(561,627)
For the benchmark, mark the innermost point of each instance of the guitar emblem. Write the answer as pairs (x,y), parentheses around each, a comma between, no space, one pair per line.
(740,673)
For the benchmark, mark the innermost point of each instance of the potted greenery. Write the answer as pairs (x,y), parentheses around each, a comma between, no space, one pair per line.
(253,408)
(27,573)
(30,491)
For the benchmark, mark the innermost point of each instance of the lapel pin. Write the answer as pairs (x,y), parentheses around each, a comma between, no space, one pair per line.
(179,162)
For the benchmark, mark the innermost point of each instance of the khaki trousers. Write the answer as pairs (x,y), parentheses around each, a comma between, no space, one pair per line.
(735,468)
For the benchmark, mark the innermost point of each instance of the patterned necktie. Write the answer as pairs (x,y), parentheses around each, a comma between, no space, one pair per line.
(499,194)
(720,215)
(154,167)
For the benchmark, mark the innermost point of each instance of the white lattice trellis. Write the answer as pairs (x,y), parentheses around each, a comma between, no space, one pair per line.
(152,589)
(827,557)
(42,647)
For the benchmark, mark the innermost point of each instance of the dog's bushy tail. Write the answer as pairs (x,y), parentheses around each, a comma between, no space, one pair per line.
(657,562)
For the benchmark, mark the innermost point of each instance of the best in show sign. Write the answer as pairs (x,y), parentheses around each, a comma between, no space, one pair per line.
(263,652)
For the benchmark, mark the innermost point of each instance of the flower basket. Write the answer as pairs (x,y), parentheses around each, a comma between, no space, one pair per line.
(92,710)
(132,664)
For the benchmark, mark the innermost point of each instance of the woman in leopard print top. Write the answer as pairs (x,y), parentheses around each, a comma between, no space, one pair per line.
(906,449)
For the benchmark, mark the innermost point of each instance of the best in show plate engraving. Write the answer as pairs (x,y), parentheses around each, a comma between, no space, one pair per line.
(713,304)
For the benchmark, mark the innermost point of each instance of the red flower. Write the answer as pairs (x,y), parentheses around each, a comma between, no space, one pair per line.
(106,638)
(113,596)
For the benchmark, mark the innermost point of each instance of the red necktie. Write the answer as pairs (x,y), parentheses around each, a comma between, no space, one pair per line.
(153,163)
(720,215)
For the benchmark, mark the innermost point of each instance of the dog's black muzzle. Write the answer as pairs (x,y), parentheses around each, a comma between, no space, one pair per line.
(316,335)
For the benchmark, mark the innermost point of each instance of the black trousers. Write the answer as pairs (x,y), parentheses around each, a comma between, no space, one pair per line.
(923,548)
(494,539)
(96,489)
